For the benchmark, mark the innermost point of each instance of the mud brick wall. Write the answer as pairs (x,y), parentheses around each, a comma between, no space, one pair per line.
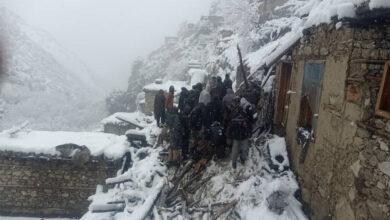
(346,174)
(33,185)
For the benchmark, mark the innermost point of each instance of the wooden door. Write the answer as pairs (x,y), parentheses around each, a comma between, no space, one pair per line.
(284,86)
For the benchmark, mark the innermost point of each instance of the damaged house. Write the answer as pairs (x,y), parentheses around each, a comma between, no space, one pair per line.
(332,103)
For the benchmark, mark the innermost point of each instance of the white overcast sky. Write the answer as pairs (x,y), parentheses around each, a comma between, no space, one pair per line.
(107,35)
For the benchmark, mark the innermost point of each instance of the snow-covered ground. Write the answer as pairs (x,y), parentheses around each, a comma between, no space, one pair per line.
(112,146)
(264,188)
(135,191)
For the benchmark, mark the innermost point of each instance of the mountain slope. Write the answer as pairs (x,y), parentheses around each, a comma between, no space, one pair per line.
(37,87)
(213,40)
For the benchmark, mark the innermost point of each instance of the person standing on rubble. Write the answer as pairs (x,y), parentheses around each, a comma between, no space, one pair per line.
(227,82)
(159,107)
(199,122)
(184,99)
(175,135)
(227,105)
(170,97)
(215,109)
(185,123)
(239,132)
(221,91)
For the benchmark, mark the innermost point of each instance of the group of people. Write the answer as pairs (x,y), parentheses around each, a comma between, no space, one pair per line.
(209,120)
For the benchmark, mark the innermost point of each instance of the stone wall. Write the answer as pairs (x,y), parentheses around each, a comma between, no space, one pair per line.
(36,185)
(346,174)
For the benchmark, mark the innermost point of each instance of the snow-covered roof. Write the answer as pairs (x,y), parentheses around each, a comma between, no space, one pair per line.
(45,142)
(137,118)
(309,13)
(153,87)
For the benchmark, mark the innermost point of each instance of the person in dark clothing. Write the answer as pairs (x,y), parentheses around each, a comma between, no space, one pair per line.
(215,109)
(218,139)
(194,94)
(252,94)
(221,90)
(184,99)
(199,123)
(227,107)
(247,109)
(159,107)
(176,132)
(227,83)
(185,123)
(228,99)
(239,132)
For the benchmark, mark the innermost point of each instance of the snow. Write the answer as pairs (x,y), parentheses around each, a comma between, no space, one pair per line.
(135,132)
(165,86)
(252,185)
(137,118)
(39,87)
(318,12)
(45,142)
(256,187)
(147,180)
(277,147)
(197,76)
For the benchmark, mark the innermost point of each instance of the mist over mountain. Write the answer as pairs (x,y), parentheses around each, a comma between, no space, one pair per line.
(42,82)
(212,41)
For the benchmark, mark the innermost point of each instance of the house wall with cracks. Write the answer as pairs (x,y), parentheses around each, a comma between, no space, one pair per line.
(346,172)
(45,186)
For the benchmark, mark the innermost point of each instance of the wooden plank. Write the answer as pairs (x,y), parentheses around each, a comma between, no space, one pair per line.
(225,209)
(383,103)
(284,86)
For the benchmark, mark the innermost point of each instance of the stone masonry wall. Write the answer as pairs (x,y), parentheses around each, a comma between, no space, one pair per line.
(346,174)
(39,186)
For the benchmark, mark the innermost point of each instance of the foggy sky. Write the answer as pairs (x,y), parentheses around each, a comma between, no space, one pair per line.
(107,35)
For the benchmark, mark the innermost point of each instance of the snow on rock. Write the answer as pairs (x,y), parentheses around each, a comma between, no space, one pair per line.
(318,12)
(258,191)
(138,187)
(278,153)
(111,146)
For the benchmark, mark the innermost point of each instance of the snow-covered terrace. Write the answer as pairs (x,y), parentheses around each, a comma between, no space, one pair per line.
(45,142)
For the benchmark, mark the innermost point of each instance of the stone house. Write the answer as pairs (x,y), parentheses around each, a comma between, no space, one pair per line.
(49,186)
(332,103)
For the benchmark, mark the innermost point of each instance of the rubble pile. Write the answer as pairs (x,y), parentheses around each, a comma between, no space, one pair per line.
(264,186)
